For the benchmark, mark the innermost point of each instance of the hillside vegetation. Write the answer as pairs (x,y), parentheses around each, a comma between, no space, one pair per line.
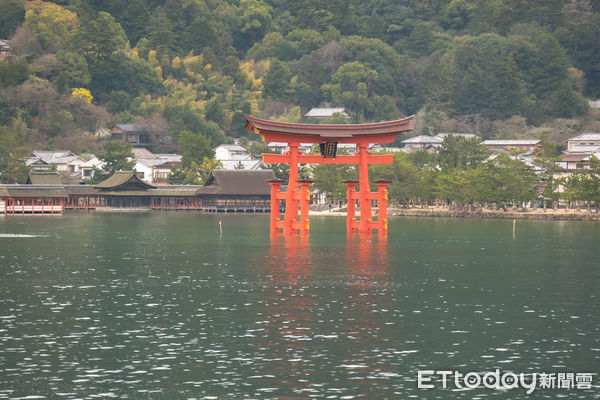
(502,68)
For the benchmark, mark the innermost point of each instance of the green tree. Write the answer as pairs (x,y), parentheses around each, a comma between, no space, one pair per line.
(458,152)
(161,32)
(541,60)
(579,37)
(516,182)
(328,177)
(424,39)
(126,73)
(304,41)
(133,18)
(547,70)
(404,177)
(207,167)
(194,148)
(338,118)
(484,77)
(201,25)
(352,86)
(457,14)
(584,184)
(116,156)
(255,21)
(498,16)
(176,177)
(13,152)
(546,163)
(277,80)
(55,27)
(569,103)
(376,55)
(12,16)
(106,36)
(13,71)
(273,45)
(214,110)
(74,72)
(472,185)
(453,185)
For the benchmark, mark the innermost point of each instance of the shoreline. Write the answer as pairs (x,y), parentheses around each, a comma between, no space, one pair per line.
(394,212)
(438,212)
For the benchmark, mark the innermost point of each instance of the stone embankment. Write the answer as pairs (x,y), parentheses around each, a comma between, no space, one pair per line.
(536,214)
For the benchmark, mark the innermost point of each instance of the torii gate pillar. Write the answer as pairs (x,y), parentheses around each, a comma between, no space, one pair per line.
(366,216)
(292,198)
(291,201)
(366,223)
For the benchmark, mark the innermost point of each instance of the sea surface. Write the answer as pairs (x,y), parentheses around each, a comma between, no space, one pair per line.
(178,306)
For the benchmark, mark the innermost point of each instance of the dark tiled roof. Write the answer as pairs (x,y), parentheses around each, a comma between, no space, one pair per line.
(130,127)
(238,182)
(51,178)
(575,157)
(44,178)
(81,189)
(32,191)
(181,191)
(162,192)
(123,180)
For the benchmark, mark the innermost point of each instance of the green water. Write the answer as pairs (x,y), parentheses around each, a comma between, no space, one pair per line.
(160,306)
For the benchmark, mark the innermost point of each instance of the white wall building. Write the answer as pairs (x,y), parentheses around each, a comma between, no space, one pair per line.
(584,143)
(465,135)
(326,112)
(155,168)
(282,147)
(230,151)
(430,143)
(510,144)
(66,162)
(87,168)
(422,142)
(233,156)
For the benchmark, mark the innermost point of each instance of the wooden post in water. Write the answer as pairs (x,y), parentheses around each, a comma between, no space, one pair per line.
(382,221)
(304,223)
(275,195)
(351,212)
(364,190)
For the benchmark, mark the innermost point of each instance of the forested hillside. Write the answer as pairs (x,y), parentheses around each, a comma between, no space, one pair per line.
(192,68)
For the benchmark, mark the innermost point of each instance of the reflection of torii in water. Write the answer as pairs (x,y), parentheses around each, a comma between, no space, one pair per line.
(328,136)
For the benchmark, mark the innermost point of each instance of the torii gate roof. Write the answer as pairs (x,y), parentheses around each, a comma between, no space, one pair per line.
(379,132)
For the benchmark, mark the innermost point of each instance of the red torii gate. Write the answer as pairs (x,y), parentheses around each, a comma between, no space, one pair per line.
(328,136)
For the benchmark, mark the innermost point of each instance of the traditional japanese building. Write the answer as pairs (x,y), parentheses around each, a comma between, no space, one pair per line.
(237,191)
(512,144)
(155,168)
(224,191)
(51,178)
(133,134)
(83,198)
(32,199)
(125,191)
(233,156)
(422,142)
(65,162)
